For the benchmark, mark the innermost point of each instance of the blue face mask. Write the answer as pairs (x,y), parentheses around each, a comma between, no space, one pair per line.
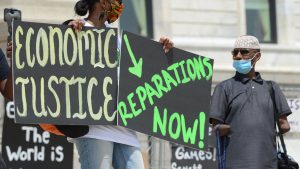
(243,66)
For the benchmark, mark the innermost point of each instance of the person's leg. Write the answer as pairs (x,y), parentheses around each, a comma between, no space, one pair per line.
(127,157)
(94,153)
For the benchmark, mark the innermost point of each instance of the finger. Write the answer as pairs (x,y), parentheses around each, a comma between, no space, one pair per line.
(9,54)
(166,41)
(162,39)
(76,26)
(170,45)
(167,45)
(9,47)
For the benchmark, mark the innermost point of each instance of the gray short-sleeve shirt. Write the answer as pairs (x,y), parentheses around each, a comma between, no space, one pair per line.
(246,105)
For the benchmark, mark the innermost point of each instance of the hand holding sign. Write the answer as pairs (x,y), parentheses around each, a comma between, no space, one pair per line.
(167,43)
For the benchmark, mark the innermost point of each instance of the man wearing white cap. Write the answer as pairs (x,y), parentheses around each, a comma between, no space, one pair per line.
(242,109)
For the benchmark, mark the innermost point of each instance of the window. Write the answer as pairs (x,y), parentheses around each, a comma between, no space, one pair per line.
(261,20)
(137,17)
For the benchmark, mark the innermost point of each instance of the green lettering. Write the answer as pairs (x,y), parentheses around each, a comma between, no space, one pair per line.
(188,133)
(202,118)
(142,95)
(122,110)
(150,93)
(209,67)
(185,78)
(191,69)
(199,69)
(174,135)
(132,105)
(158,122)
(169,80)
(157,80)
(174,68)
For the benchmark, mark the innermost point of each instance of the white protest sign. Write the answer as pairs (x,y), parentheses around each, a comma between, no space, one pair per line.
(294,118)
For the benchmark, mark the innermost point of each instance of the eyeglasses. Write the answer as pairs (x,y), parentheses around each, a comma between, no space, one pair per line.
(242,51)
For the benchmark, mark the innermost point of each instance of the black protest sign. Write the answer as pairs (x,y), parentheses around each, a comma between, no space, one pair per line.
(184,157)
(28,147)
(62,76)
(164,96)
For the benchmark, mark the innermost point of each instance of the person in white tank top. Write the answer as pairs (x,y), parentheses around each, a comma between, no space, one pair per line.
(106,145)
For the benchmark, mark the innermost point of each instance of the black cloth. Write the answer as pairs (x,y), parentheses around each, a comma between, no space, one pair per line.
(246,105)
(4,68)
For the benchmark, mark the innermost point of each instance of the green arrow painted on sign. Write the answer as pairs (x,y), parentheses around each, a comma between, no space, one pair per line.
(137,66)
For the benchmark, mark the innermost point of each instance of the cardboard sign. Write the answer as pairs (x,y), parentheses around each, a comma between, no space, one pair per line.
(67,77)
(184,157)
(28,147)
(164,96)
(294,118)
(62,76)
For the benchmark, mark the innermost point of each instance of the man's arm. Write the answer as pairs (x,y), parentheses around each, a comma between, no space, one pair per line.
(2,86)
(7,84)
(4,71)
(284,124)
(8,87)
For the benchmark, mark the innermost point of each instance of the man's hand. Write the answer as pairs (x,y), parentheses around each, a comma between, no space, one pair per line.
(224,128)
(9,49)
(284,124)
(167,43)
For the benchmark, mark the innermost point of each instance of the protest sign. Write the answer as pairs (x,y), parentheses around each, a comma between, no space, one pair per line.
(294,118)
(62,76)
(27,146)
(164,96)
(184,157)
(67,77)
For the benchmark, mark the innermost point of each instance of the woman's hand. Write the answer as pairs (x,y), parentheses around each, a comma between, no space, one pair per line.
(167,43)
(77,24)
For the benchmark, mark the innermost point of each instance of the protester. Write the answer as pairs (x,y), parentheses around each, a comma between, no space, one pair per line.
(244,108)
(105,145)
(4,88)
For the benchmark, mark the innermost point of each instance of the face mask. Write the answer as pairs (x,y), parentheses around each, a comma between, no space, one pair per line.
(116,10)
(243,66)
